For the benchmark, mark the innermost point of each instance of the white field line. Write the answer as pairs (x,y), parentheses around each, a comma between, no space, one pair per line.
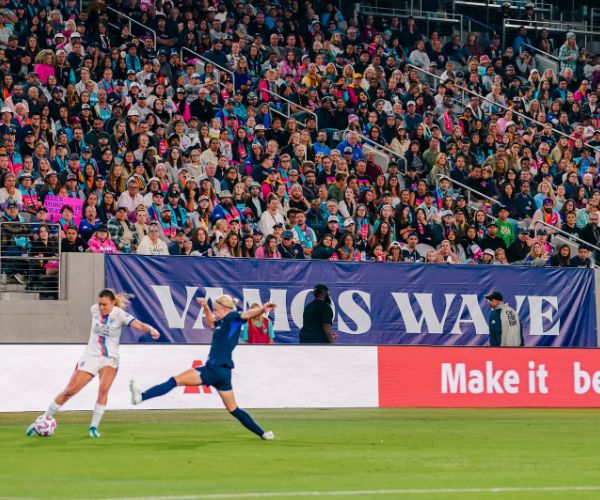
(429,491)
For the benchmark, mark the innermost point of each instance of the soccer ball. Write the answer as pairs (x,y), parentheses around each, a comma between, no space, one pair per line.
(45,427)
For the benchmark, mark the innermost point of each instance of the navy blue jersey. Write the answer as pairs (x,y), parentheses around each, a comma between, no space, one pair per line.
(225,338)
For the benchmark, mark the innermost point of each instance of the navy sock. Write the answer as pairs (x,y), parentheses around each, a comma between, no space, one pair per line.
(247,421)
(159,390)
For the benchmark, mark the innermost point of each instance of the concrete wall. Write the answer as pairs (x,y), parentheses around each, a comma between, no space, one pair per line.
(67,321)
(64,321)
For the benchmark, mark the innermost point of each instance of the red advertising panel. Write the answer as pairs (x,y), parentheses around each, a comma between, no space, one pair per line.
(486,377)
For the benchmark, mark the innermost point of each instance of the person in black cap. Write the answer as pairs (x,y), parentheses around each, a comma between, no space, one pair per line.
(288,248)
(504,323)
(317,319)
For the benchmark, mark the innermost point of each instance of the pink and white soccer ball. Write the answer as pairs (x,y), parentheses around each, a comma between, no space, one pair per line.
(45,427)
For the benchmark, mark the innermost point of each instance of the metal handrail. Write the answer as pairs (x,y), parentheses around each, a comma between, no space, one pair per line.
(469,189)
(58,249)
(549,26)
(545,54)
(378,146)
(562,233)
(473,93)
(281,98)
(470,20)
(207,60)
(131,20)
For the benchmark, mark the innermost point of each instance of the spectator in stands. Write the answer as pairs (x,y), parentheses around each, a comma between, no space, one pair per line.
(100,242)
(152,244)
(165,141)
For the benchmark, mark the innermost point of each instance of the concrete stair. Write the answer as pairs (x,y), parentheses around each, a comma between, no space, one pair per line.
(19,296)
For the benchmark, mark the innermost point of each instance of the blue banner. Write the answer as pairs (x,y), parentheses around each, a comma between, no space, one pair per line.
(374,303)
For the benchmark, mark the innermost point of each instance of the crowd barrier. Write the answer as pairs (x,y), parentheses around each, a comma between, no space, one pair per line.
(374,303)
(278,376)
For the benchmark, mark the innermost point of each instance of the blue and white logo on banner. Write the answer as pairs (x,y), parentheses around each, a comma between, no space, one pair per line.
(374,303)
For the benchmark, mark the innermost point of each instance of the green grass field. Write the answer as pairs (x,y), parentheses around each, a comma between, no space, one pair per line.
(356,453)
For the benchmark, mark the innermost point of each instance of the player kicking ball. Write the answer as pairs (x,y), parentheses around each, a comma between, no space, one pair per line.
(217,370)
(101,356)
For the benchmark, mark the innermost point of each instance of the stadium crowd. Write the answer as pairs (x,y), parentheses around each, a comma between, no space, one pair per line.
(270,144)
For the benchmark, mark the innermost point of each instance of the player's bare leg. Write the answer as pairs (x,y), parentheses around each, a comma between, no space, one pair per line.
(107,375)
(189,377)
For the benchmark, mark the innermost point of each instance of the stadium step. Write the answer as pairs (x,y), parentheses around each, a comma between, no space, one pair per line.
(19,295)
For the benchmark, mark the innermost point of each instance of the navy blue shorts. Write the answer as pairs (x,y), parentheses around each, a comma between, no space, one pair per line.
(217,376)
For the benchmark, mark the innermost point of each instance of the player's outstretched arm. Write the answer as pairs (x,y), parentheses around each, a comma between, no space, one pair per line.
(210,319)
(257,311)
(143,327)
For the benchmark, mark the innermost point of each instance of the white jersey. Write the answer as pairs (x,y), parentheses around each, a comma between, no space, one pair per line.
(105,333)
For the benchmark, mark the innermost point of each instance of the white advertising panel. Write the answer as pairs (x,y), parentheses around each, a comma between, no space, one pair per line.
(265,376)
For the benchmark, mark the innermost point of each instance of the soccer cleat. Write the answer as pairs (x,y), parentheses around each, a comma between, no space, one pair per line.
(93,432)
(136,394)
(31,430)
(268,436)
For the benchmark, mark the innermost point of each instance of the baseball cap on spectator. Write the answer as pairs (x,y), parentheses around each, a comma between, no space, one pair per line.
(332,218)
(489,251)
(257,230)
(523,230)
(11,204)
(349,222)
(288,235)
(102,227)
(447,213)
(224,194)
(6,109)
(494,295)
(548,201)
(352,118)
(347,150)
(71,177)
(493,223)
(133,112)
(86,149)
(277,224)
(121,207)
(73,156)
(165,208)
(411,103)
(85,107)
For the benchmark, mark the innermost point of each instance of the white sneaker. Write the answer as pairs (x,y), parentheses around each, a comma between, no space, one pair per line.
(136,394)
(268,436)
(21,278)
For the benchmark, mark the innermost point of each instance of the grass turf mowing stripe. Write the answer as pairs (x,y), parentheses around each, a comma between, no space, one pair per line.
(430,491)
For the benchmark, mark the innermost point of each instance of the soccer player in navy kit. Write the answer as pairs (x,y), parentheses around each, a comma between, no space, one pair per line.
(217,370)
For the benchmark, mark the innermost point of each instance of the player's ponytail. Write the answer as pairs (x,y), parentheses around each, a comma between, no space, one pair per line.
(120,300)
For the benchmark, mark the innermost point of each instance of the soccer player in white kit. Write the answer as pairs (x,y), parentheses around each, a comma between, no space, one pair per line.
(101,356)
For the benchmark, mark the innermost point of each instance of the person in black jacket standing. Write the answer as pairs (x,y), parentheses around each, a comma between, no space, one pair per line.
(318,319)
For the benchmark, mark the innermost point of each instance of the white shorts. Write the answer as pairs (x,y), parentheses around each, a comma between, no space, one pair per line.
(93,364)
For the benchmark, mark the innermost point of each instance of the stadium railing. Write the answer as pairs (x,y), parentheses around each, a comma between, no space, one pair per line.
(544,60)
(501,106)
(543,8)
(580,29)
(560,237)
(131,20)
(286,111)
(23,273)
(204,59)
(469,191)
(454,21)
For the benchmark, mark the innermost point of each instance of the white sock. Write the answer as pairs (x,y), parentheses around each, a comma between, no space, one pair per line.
(97,415)
(52,409)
